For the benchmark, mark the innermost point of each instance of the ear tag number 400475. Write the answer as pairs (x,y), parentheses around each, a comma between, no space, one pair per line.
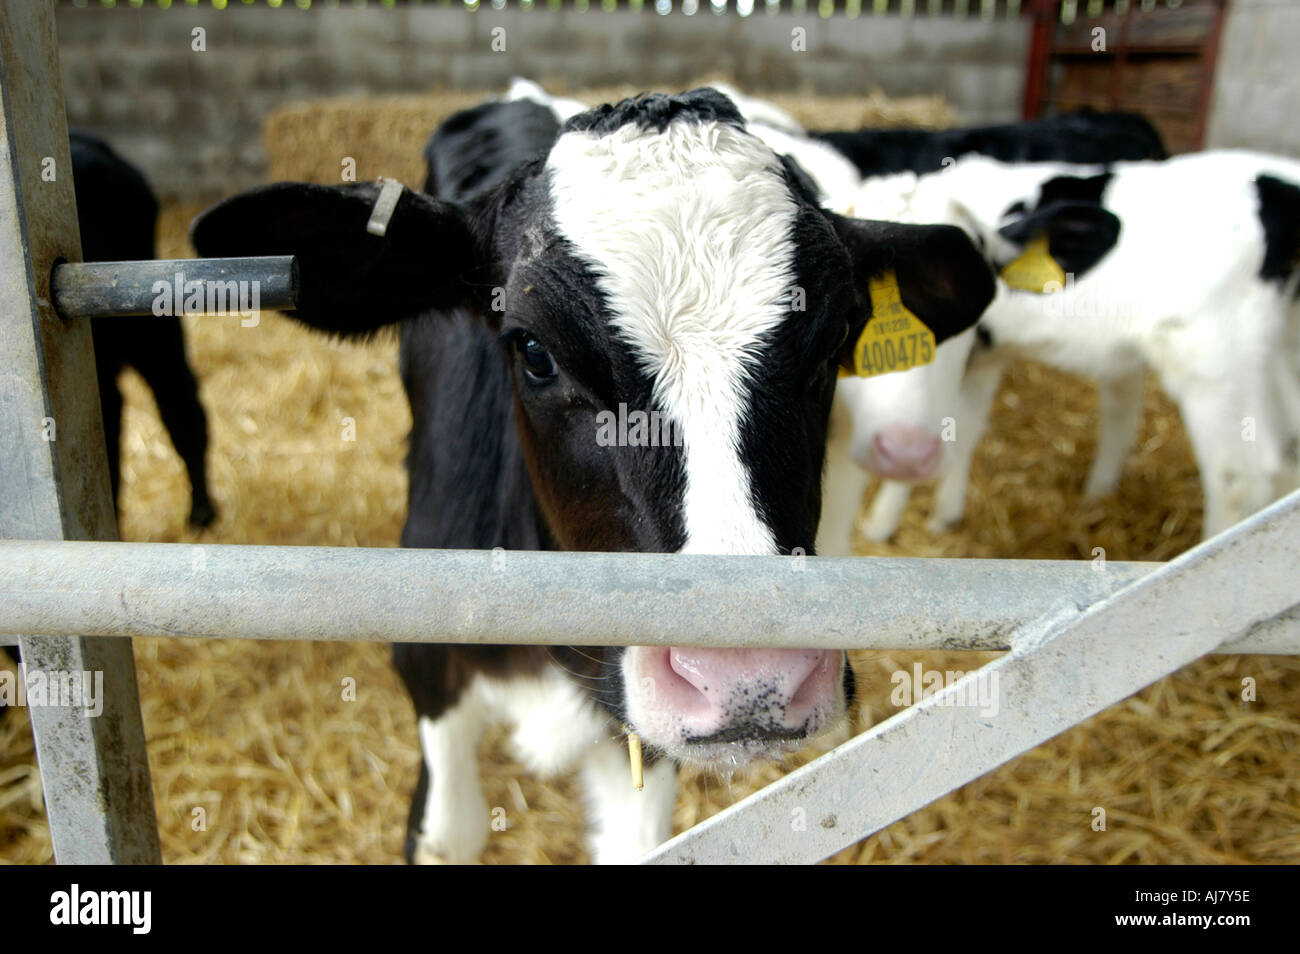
(894,339)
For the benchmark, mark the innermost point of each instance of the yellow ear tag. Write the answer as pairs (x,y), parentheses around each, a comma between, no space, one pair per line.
(1034,269)
(894,339)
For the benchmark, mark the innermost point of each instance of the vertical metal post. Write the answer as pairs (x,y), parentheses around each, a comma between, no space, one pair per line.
(1119,71)
(1042,28)
(53,473)
(1209,66)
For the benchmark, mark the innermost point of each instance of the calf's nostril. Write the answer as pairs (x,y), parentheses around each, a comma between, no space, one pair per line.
(745,691)
(688,667)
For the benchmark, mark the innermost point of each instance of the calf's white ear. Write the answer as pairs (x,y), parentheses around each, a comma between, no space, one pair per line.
(352,279)
(940,277)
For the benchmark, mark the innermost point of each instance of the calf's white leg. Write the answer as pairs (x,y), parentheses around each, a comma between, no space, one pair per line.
(626,823)
(1219,369)
(1117,430)
(454,828)
(886,510)
(842,490)
(1233,430)
(979,387)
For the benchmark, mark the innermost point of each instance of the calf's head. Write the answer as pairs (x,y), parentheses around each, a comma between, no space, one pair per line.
(675,307)
(902,422)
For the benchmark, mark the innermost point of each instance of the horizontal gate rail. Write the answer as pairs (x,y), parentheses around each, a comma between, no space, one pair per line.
(1059,672)
(518,597)
(179,286)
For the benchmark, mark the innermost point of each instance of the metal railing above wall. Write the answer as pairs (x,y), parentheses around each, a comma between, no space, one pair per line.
(1066,10)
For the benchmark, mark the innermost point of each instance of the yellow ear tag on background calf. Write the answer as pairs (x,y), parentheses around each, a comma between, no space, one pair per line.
(1034,269)
(894,339)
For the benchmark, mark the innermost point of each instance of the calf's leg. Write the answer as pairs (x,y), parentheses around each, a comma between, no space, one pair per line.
(845,483)
(979,387)
(1120,401)
(449,818)
(161,362)
(1233,428)
(626,823)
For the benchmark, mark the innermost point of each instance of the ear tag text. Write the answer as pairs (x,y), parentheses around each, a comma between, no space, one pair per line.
(895,339)
(1035,269)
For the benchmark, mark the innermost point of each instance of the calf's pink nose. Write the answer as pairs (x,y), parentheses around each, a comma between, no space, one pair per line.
(755,692)
(904,452)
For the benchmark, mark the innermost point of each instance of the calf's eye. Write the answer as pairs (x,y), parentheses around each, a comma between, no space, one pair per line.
(539,366)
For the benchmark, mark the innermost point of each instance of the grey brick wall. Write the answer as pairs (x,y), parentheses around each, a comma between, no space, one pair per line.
(1257,87)
(192,119)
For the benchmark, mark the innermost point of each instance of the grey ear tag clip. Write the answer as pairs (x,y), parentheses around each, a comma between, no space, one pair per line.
(384,206)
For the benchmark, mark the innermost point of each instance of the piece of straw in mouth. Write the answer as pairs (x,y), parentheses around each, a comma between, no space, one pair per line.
(634,754)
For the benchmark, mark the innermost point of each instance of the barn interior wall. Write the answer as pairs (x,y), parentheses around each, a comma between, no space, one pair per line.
(192,120)
(1257,87)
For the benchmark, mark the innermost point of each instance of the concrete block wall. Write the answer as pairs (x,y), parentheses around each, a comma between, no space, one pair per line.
(192,119)
(1257,86)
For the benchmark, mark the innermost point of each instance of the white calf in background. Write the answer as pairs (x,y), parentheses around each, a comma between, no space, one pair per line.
(1186,267)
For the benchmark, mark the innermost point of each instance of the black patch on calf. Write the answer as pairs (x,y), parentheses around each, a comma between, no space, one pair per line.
(1015,208)
(353,282)
(1089,189)
(799,180)
(1084,137)
(1079,234)
(477,149)
(783,430)
(942,277)
(1279,214)
(795,366)
(656,110)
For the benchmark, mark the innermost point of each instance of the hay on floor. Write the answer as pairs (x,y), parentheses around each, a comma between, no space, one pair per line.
(260,754)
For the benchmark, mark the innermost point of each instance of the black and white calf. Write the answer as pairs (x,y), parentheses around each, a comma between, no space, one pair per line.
(1083,136)
(650,254)
(118,213)
(1186,267)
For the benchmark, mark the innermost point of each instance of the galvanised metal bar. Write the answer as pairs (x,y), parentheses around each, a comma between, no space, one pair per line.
(194,286)
(1059,672)
(53,466)
(475,596)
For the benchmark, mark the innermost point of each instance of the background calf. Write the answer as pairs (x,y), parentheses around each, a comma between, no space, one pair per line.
(1184,267)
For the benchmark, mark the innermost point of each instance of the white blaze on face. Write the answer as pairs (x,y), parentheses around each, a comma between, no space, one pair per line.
(690,233)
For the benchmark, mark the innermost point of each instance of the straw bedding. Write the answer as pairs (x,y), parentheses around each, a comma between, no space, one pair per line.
(286,765)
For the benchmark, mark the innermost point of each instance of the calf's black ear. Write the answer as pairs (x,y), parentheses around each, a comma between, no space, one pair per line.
(1078,234)
(351,281)
(934,272)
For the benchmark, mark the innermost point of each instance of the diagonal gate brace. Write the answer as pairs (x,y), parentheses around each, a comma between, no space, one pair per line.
(1059,672)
